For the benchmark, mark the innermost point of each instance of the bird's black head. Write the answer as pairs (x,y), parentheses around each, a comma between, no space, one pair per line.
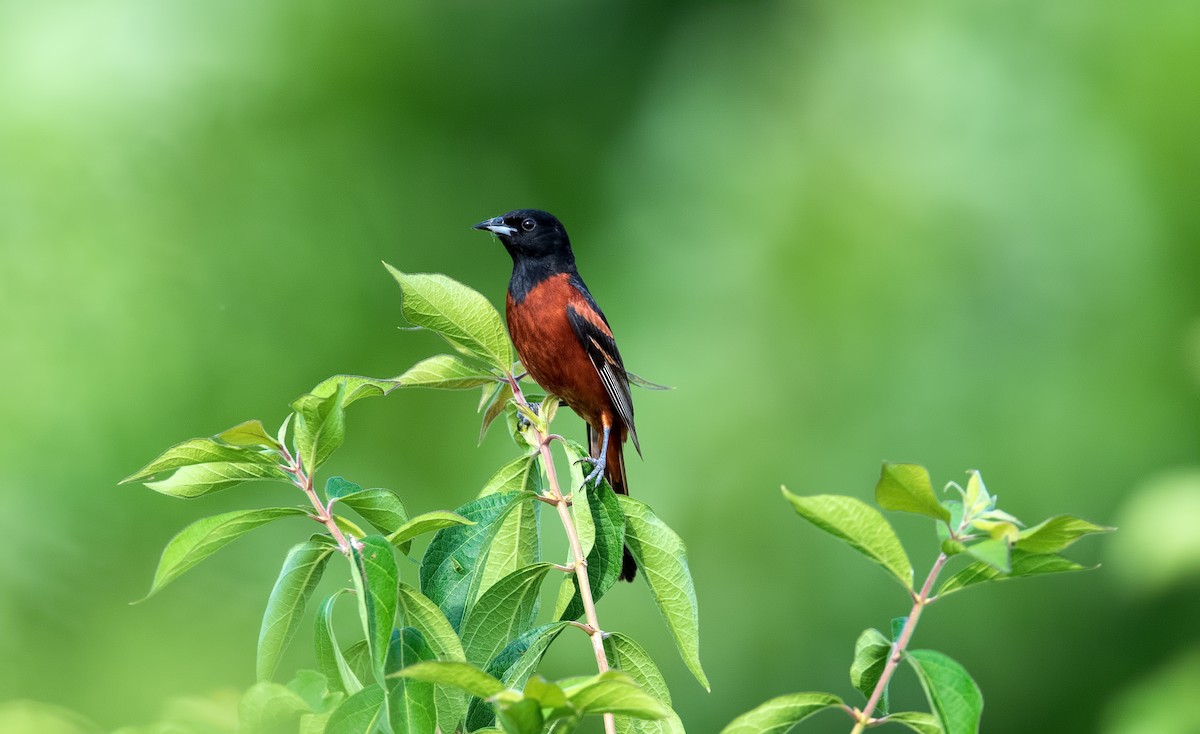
(531,234)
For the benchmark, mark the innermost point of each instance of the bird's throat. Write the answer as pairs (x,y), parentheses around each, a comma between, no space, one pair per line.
(528,272)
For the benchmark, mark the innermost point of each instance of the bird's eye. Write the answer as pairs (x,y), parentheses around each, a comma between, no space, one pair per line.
(528,225)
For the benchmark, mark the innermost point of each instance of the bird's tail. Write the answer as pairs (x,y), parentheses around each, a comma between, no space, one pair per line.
(614,472)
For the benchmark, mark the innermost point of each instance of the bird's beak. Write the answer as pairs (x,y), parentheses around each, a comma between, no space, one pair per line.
(496,225)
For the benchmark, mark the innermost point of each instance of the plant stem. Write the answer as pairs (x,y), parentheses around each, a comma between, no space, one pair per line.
(304,481)
(863,718)
(578,561)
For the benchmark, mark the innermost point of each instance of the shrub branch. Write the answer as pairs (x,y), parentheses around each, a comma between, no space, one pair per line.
(554,496)
(920,601)
(303,480)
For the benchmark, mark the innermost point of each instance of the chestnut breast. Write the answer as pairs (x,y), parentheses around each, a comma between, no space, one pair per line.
(550,350)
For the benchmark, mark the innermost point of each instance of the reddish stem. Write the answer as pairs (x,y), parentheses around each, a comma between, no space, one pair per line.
(301,479)
(555,496)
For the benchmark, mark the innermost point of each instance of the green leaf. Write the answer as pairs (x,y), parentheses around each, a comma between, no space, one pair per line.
(581,511)
(330,659)
(497,404)
(204,537)
(348,527)
(313,688)
(627,655)
(266,705)
(361,713)
(249,434)
(514,546)
(573,680)
(871,653)
(425,523)
(201,451)
(516,662)
(566,593)
(320,416)
(356,387)
(313,723)
(446,372)
(338,487)
(607,525)
(614,692)
(549,695)
(416,610)
(196,480)
(671,724)
(515,476)
(302,569)
(953,696)
(502,612)
(993,552)
(998,529)
(358,657)
(456,554)
(320,426)
(403,535)
(512,666)
(952,547)
(604,559)
(1056,533)
(460,675)
(411,703)
(461,315)
(522,717)
(547,409)
(565,725)
(918,721)
(860,526)
(663,559)
(380,507)
(1023,564)
(376,579)
(523,425)
(976,499)
(487,394)
(780,714)
(906,488)
(955,508)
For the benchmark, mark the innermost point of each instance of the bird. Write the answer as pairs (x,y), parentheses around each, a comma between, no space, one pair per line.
(565,343)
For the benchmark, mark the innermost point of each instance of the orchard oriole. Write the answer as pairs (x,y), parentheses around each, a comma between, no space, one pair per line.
(565,342)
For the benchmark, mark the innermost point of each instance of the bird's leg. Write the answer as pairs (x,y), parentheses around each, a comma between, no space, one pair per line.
(599,462)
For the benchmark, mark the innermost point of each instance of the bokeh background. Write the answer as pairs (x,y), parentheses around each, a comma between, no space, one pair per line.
(963,234)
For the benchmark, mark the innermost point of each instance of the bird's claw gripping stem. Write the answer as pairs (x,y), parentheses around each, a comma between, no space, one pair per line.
(594,476)
(598,463)
(522,420)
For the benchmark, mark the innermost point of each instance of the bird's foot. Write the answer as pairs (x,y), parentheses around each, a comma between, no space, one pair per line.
(522,420)
(597,472)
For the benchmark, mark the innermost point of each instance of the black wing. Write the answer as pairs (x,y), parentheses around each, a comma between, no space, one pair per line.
(602,350)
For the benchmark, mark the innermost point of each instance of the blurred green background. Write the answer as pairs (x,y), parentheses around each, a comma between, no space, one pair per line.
(958,234)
